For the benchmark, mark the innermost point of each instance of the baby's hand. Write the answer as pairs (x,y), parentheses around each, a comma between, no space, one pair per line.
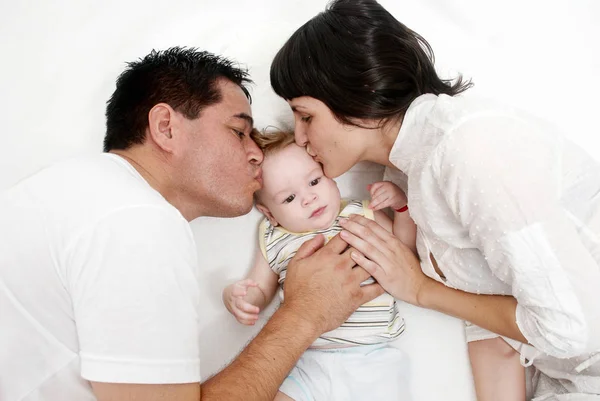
(386,194)
(233,297)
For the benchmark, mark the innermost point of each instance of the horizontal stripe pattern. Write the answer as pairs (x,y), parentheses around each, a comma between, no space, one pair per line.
(375,322)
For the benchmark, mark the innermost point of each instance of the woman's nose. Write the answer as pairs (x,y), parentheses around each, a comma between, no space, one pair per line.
(300,136)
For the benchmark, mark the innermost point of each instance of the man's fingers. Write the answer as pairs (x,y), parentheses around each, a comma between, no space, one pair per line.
(370,292)
(359,274)
(337,245)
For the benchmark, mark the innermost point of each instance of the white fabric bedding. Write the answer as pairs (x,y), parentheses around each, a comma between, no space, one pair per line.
(60,60)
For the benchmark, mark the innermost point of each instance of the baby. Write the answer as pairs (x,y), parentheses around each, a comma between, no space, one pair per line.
(299,202)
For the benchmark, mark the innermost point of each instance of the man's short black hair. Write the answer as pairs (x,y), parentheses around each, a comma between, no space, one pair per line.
(183,78)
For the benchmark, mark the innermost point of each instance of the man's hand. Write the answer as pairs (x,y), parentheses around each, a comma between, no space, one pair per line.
(322,285)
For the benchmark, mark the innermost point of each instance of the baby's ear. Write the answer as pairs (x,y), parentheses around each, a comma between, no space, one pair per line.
(265,210)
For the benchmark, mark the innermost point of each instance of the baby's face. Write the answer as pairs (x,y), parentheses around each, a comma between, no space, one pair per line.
(297,194)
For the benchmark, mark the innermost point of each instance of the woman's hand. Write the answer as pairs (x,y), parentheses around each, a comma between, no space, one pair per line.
(386,258)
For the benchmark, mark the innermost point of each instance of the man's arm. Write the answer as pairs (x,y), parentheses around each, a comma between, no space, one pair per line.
(256,374)
(322,290)
(259,370)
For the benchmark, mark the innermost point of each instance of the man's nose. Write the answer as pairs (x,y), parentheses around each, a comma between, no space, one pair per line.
(255,155)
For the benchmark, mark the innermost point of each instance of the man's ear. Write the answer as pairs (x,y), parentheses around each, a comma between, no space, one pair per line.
(160,126)
(265,210)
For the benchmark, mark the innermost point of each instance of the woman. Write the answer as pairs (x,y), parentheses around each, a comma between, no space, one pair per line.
(508,211)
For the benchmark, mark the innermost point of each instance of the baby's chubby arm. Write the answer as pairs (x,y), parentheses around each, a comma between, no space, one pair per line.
(246,298)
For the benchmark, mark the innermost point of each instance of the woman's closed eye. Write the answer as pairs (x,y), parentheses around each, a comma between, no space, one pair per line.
(305,119)
(289,199)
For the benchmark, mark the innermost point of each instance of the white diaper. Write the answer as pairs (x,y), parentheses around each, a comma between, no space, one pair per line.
(362,373)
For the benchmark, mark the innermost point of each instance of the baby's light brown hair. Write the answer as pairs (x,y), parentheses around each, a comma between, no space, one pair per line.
(270,142)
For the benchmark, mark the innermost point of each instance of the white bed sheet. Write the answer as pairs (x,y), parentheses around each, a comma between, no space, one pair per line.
(60,60)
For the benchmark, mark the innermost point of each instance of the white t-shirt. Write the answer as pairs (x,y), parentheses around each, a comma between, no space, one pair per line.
(506,206)
(98,281)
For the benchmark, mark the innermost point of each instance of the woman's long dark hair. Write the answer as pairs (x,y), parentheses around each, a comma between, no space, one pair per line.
(360,61)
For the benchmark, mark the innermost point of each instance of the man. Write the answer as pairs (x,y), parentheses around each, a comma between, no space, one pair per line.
(98,293)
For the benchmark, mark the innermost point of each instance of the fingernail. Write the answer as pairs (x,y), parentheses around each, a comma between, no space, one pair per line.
(353,255)
(343,221)
(344,234)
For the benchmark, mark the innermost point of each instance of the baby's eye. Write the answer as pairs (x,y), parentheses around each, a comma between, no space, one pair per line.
(315,181)
(289,199)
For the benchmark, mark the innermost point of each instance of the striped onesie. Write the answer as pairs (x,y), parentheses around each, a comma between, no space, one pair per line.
(374,322)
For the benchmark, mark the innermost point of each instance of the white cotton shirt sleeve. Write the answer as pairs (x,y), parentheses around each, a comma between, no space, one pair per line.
(502,179)
(132,278)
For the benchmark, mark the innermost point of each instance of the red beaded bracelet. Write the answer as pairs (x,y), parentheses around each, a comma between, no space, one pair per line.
(402,209)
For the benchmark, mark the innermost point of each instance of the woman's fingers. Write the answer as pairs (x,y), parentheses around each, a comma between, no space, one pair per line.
(372,247)
(366,229)
(372,268)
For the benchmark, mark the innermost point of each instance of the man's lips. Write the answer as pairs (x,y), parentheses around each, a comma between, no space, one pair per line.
(258,177)
(318,212)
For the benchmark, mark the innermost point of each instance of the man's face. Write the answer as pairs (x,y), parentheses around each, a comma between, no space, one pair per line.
(220,164)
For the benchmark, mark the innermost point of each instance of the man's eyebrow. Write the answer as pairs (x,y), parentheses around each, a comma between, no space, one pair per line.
(245,117)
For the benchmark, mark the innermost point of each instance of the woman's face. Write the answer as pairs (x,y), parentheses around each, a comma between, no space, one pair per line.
(335,145)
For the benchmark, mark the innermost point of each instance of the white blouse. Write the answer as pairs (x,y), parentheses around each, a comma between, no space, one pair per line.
(506,206)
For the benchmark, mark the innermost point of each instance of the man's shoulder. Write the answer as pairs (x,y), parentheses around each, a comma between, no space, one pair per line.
(80,191)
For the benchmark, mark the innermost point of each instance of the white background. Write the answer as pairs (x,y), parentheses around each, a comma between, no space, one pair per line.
(60,59)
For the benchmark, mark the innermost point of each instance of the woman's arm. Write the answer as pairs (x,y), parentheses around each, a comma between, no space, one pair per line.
(398,270)
(501,181)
